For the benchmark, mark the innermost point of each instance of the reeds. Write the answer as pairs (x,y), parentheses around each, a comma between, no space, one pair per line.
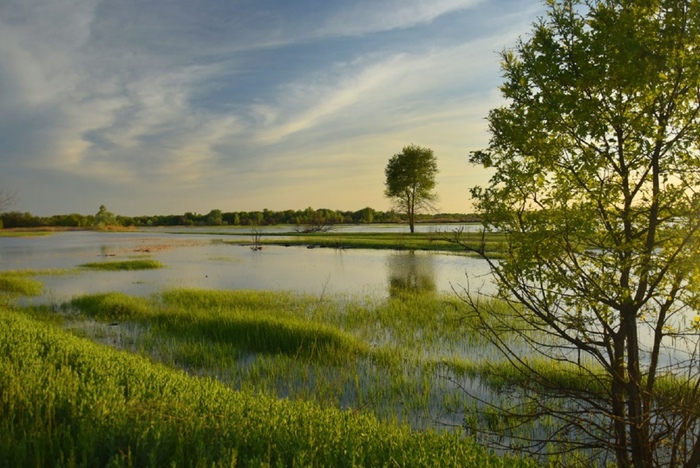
(19,283)
(339,351)
(65,401)
(112,306)
(414,359)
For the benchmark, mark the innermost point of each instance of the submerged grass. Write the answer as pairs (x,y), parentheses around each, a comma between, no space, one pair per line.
(334,351)
(262,332)
(413,359)
(250,321)
(69,402)
(124,265)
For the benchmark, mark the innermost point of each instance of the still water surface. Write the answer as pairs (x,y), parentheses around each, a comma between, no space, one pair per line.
(206,261)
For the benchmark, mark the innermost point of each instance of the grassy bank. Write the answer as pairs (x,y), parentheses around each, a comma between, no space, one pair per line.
(19,283)
(70,402)
(431,241)
(24,233)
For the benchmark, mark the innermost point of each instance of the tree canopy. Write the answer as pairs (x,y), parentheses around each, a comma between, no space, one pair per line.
(410,181)
(596,171)
(104,218)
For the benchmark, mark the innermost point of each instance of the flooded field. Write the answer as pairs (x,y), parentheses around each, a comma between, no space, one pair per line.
(207,261)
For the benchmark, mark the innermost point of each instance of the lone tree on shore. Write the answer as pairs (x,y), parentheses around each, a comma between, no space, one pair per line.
(596,172)
(410,181)
(104,218)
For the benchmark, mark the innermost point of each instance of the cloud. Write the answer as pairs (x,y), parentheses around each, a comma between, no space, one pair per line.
(377,93)
(369,16)
(182,98)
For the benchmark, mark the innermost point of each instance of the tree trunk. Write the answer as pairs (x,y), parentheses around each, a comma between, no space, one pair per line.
(411,211)
(618,402)
(639,420)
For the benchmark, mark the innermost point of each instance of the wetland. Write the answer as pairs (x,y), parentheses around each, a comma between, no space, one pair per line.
(358,332)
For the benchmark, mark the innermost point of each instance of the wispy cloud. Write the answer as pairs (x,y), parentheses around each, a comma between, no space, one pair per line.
(368,16)
(173,101)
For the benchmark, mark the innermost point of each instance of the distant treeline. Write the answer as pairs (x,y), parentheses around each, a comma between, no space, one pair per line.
(308,217)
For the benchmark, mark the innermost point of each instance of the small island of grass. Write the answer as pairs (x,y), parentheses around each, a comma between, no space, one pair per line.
(124,265)
(17,282)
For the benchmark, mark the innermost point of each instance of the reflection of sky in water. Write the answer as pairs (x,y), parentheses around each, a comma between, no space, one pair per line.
(200,261)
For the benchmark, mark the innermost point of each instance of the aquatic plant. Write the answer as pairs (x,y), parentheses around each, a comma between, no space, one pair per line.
(113,306)
(67,401)
(19,283)
(124,265)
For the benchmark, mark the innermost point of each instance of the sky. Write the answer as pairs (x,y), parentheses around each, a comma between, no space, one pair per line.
(173,106)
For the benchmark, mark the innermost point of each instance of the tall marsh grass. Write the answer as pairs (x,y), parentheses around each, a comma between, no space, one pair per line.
(65,401)
(412,359)
(19,283)
(112,306)
(380,356)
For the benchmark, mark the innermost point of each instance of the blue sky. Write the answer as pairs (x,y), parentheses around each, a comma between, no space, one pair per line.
(169,106)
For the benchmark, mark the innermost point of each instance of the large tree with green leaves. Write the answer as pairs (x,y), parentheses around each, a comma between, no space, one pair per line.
(596,170)
(410,181)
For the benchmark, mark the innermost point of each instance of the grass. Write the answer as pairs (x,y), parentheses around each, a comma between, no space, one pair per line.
(124,265)
(432,241)
(410,361)
(226,316)
(404,360)
(337,352)
(111,306)
(70,402)
(14,233)
(19,283)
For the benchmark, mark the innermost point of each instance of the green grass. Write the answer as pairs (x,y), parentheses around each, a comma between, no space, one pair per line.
(235,317)
(19,283)
(432,241)
(124,265)
(336,352)
(112,306)
(70,402)
(8,233)
(404,360)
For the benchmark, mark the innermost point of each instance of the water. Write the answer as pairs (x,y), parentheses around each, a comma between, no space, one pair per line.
(370,228)
(205,261)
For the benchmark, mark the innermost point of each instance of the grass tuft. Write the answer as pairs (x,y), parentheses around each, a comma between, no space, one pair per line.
(18,283)
(124,265)
(113,306)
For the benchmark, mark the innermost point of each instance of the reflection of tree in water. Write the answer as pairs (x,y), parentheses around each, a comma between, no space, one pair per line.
(105,251)
(410,272)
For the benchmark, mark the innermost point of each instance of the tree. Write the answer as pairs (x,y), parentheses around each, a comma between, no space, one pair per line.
(104,218)
(7,199)
(215,218)
(313,221)
(365,216)
(596,169)
(410,180)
